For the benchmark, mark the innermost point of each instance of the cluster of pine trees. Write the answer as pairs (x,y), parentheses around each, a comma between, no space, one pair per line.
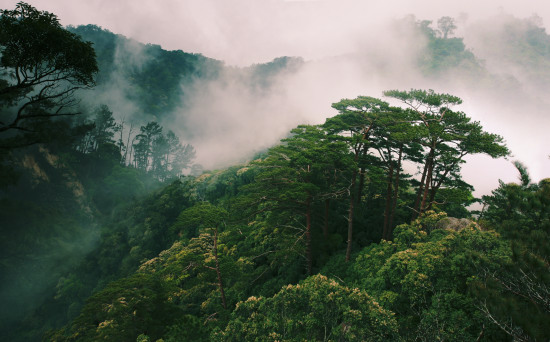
(352,230)
(264,250)
(149,149)
(225,272)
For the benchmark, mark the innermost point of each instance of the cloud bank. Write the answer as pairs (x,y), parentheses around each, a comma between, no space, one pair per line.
(351,47)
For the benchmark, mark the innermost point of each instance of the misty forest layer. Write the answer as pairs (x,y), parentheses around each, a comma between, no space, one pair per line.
(354,229)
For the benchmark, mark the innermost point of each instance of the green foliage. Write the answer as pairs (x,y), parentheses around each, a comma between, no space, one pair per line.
(155,86)
(447,137)
(515,298)
(305,169)
(179,263)
(444,54)
(524,43)
(102,133)
(316,309)
(428,98)
(188,328)
(201,215)
(524,205)
(446,26)
(163,156)
(41,66)
(46,229)
(124,310)
(263,76)
(424,276)
(209,274)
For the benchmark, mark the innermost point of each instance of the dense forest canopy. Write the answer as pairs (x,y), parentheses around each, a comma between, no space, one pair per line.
(357,228)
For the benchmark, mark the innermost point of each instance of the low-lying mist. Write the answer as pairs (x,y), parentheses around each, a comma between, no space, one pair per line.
(228,121)
(501,75)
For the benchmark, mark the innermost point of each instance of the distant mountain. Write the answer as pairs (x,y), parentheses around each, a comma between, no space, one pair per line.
(158,81)
(153,76)
(518,47)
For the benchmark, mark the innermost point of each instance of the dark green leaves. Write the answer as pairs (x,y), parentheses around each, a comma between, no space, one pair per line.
(41,67)
(424,97)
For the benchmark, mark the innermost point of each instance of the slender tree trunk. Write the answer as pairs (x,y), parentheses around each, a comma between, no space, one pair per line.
(426,181)
(120,143)
(350,214)
(389,182)
(308,235)
(358,149)
(441,180)
(361,185)
(385,232)
(325,225)
(433,190)
(420,191)
(395,192)
(128,146)
(218,273)
(426,188)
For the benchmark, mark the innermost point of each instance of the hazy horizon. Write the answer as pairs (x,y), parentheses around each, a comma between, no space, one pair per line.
(244,32)
(353,48)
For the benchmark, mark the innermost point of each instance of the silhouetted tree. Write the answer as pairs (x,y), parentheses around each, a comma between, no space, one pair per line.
(41,67)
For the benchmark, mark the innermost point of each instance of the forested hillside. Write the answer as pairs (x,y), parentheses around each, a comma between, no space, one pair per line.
(358,228)
(157,81)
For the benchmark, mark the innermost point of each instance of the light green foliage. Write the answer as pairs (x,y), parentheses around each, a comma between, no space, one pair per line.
(317,309)
(190,268)
(202,267)
(424,276)
(143,338)
(201,215)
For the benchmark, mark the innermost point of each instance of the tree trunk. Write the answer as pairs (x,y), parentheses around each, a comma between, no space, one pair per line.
(442,179)
(128,146)
(427,179)
(361,185)
(385,232)
(358,149)
(426,188)
(395,192)
(350,214)
(433,190)
(308,235)
(325,226)
(420,191)
(218,273)
(120,143)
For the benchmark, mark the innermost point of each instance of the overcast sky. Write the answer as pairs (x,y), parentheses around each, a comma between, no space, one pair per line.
(243,32)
